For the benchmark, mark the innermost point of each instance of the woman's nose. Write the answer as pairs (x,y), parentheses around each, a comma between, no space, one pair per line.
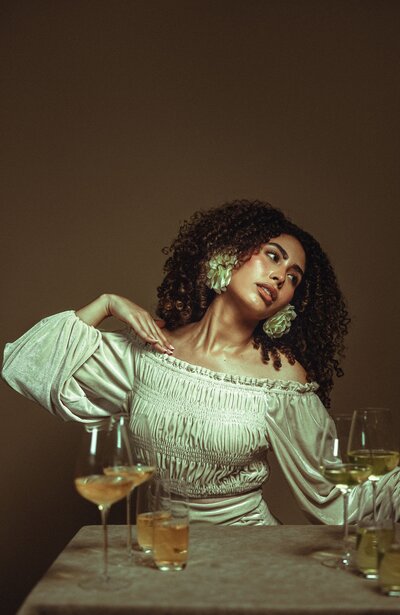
(278,277)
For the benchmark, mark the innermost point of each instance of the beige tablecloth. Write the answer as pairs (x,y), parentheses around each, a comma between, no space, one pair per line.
(232,571)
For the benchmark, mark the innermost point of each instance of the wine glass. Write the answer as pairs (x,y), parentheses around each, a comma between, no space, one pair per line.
(340,471)
(105,444)
(139,468)
(374,441)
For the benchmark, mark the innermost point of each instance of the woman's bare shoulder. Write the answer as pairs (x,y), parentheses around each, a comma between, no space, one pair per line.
(291,372)
(249,363)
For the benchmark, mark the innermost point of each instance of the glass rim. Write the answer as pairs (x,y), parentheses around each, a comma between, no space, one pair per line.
(99,424)
(373,409)
(342,415)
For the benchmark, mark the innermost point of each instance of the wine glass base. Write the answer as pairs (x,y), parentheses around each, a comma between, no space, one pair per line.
(123,558)
(103,584)
(332,559)
(335,562)
(120,557)
(371,576)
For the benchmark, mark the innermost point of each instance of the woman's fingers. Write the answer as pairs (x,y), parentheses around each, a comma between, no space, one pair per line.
(147,329)
(159,335)
(141,322)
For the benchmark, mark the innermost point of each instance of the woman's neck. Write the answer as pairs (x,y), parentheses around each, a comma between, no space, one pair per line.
(222,329)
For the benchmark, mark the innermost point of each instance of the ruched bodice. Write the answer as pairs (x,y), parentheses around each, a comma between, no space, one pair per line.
(211,430)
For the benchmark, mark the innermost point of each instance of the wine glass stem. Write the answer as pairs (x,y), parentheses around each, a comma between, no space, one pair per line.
(128,524)
(346,554)
(104,514)
(374,500)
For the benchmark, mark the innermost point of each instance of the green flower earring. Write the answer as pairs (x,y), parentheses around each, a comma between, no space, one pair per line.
(219,272)
(279,323)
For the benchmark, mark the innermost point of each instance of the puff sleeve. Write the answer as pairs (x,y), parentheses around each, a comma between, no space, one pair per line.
(295,423)
(70,368)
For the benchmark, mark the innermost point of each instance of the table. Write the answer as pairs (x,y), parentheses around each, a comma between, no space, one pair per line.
(231,571)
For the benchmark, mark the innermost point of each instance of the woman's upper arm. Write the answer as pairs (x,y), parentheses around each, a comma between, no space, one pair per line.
(106,378)
(295,421)
(64,365)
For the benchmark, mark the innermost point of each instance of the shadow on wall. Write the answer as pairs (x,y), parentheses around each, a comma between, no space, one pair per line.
(279,497)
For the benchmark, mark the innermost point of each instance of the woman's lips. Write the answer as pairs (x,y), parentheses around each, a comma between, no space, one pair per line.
(268,293)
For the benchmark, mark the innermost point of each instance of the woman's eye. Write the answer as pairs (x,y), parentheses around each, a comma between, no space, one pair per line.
(293,278)
(273,256)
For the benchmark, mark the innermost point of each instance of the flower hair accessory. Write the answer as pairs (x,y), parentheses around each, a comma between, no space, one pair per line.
(219,272)
(279,323)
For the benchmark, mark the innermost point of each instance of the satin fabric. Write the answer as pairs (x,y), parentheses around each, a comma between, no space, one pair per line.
(245,509)
(213,431)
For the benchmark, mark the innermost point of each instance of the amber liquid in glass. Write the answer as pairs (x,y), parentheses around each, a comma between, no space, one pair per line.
(170,543)
(369,540)
(389,570)
(137,474)
(103,490)
(380,460)
(144,528)
(346,474)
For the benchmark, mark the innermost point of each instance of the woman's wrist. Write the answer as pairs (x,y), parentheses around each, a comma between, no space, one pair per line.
(95,312)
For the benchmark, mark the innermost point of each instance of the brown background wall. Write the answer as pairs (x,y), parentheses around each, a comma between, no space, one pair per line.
(121,118)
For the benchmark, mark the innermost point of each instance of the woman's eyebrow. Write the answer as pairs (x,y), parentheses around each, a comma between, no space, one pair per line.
(286,256)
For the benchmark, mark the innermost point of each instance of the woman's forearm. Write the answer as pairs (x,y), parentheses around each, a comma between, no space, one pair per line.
(130,314)
(95,312)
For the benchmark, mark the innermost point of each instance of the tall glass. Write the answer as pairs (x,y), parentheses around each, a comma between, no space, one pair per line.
(171,526)
(340,471)
(146,503)
(104,445)
(140,467)
(389,570)
(374,537)
(374,440)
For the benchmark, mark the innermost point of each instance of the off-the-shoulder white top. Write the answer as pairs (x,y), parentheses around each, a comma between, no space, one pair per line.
(211,430)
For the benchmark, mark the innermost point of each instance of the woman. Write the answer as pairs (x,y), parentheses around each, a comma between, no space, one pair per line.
(254,319)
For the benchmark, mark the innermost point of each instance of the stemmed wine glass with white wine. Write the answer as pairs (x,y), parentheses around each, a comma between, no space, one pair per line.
(374,441)
(105,444)
(139,468)
(342,472)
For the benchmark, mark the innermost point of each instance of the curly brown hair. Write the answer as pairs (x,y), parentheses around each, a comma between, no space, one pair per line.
(316,336)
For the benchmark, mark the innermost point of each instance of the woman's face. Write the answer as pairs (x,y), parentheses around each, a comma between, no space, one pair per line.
(267,281)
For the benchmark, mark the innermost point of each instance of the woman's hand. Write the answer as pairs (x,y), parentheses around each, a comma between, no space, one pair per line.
(140,321)
(129,313)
